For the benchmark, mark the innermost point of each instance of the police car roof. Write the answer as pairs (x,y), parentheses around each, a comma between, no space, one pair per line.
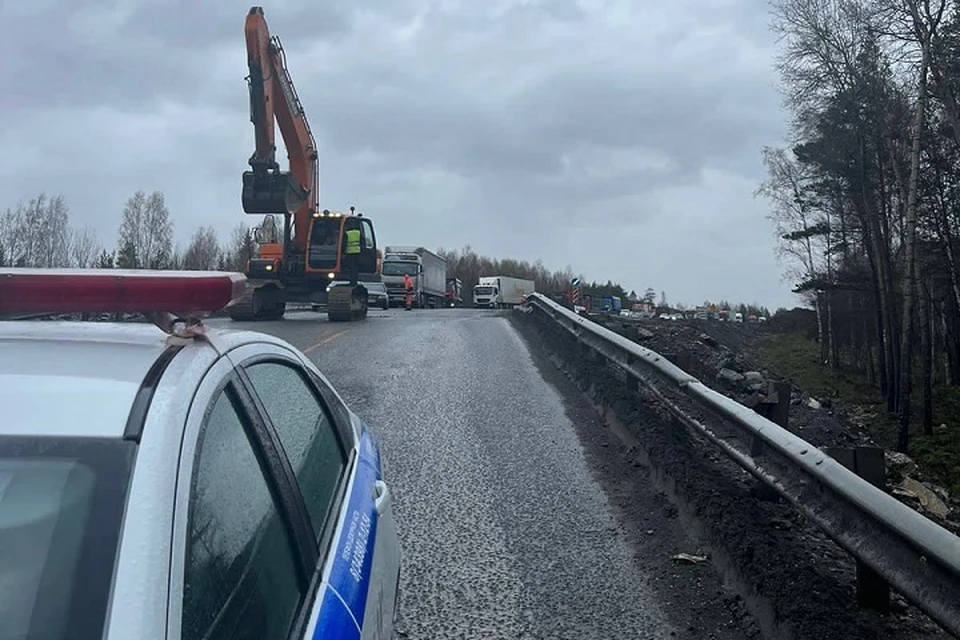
(72,378)
(81,378)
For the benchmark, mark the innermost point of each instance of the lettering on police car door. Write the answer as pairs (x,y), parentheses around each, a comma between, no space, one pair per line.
(360,547)
(356,544)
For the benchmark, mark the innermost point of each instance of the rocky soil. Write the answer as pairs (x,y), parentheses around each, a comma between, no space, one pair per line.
(717,354)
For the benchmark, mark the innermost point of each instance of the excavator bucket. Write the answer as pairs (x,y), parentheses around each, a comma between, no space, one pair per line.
(277,192)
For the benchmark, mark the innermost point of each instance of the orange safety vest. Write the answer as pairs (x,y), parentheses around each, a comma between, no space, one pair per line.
(407,282)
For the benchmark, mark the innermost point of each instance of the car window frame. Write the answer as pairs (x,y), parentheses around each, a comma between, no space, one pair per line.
(276,472)
(326,396)
(324,541)
(346,437)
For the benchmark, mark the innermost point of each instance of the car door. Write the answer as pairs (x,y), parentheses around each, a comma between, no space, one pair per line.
(339,478)
(243,554)
(369,251)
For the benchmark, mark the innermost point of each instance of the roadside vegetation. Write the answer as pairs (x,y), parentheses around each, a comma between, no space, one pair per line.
(865,199)
(789,346)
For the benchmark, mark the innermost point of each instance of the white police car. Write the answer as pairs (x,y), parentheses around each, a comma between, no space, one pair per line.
(180,484)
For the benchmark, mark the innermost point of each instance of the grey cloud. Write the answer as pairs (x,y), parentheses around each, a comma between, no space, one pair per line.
(98,53)
(192,27)
(447,120)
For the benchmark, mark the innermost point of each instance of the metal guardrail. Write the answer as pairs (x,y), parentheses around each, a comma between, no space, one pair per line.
(916,556)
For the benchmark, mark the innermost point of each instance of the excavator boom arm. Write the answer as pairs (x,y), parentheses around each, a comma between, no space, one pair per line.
(274,100)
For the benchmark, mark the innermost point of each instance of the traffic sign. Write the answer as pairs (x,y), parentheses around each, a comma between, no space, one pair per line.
(575,282)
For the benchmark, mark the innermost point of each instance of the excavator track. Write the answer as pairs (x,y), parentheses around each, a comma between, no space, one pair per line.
(344,305)
(249,309)
(242,308)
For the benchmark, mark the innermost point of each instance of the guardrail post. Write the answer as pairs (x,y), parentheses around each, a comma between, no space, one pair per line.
(775,403)
(680,359)
(873,592)
(583,348)
(598,357)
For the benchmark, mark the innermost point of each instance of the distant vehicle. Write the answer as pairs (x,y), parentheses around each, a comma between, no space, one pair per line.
(738,317)
(762,318)
(174,481)
(499,292)
(377,295)
(454,296)
(427,269)
(611,305)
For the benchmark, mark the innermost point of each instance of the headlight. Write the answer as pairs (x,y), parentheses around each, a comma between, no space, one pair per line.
(331,275)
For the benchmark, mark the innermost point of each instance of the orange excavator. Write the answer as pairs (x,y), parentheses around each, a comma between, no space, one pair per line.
(308,260)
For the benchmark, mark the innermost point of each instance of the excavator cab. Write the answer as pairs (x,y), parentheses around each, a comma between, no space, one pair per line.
(267,192)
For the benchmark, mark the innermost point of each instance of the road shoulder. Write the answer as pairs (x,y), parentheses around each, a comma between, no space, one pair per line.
(691,591)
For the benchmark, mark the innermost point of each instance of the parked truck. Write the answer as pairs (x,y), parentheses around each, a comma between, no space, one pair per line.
(427,269)
(498,292)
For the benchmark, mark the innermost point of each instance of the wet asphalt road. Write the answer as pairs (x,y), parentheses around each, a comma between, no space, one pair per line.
(505,532)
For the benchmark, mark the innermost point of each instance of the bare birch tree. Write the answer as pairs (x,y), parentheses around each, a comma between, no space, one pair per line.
(85,247)
(146,230)
(203,253)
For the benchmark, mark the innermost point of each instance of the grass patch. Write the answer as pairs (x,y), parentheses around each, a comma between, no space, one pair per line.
(798,359)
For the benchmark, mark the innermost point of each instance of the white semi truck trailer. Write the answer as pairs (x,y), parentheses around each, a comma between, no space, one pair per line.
(500,292)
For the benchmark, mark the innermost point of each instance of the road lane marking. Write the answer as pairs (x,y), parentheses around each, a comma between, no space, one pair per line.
(329,338)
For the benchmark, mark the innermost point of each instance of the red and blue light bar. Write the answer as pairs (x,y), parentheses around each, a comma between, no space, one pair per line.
(117,290)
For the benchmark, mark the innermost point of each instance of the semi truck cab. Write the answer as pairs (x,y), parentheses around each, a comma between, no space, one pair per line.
(427,269)
(486,295)
(393,272)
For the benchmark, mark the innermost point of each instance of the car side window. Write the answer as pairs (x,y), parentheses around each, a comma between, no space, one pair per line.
(240,572)
(306,433)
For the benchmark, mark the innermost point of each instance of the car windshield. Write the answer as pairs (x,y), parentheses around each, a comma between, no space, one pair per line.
(376,287)
(399,268)
(483,291)
(61,503)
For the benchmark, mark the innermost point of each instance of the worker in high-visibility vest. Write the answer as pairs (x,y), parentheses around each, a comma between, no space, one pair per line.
(351,255)
(408,287)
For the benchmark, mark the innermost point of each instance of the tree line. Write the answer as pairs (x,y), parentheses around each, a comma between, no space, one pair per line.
(39,234)
(865,195)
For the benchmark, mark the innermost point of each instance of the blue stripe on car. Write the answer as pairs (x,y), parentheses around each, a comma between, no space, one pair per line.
(335,620)
(351,571)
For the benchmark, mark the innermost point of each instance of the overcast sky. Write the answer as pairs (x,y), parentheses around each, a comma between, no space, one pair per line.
(620,137)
